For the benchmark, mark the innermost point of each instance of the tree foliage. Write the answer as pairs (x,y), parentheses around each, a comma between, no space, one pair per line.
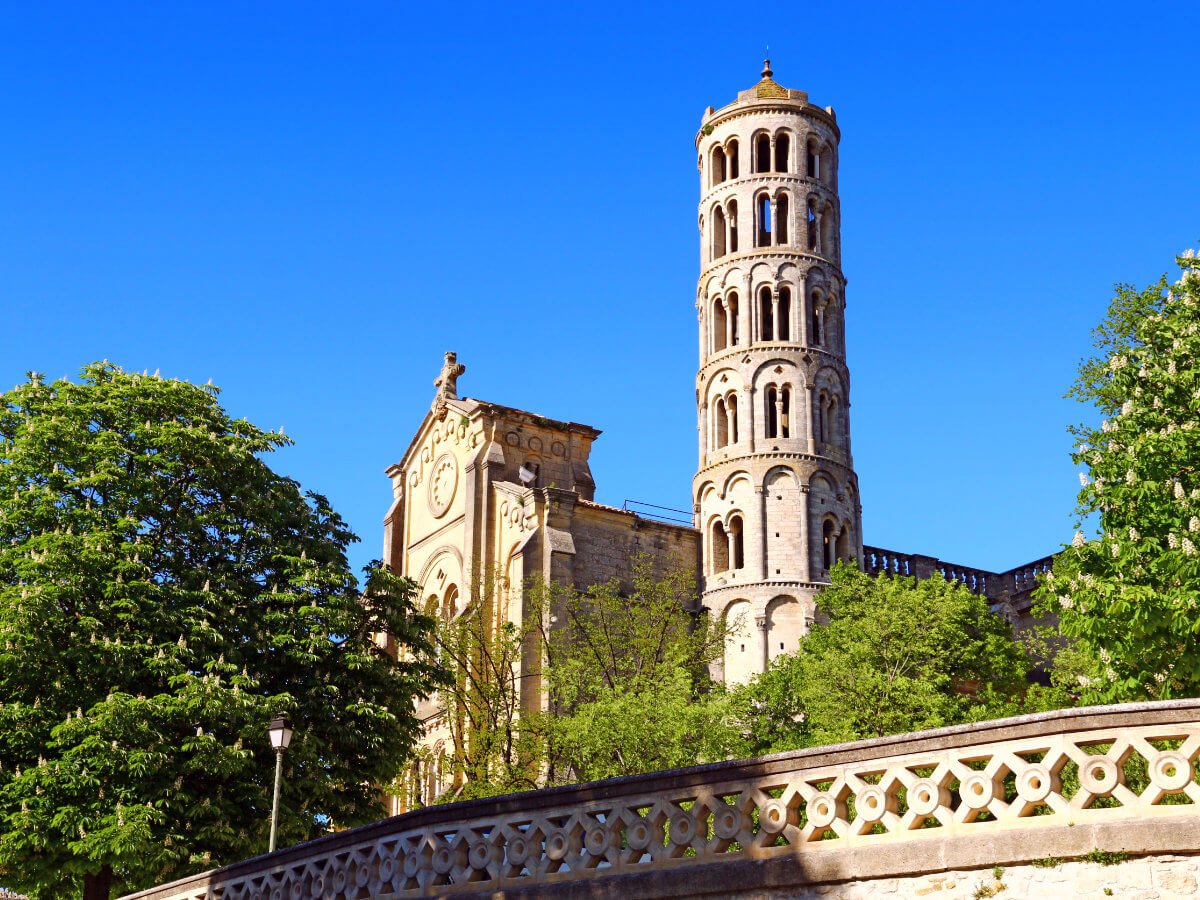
(164,594)
(1128,600)
(627,676)
(890,655)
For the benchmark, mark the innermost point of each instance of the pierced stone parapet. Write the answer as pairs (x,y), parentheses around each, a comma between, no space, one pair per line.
(994,793)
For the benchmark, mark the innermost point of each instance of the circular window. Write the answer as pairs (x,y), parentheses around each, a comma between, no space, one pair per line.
(442,483)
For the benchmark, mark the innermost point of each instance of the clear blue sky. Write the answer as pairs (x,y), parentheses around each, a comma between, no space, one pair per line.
(309,203)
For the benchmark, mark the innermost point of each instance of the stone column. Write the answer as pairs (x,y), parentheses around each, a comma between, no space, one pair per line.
(804,534)
(764,639)
(809,414)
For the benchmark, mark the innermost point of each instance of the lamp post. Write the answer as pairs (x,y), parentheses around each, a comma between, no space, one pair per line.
(280,731)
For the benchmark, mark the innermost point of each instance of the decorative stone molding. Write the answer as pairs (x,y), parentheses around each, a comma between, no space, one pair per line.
(1005,792)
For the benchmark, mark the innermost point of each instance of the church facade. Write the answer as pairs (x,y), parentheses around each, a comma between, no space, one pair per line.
(487,491)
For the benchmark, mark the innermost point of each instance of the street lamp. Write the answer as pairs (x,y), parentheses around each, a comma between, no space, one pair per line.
(280,731)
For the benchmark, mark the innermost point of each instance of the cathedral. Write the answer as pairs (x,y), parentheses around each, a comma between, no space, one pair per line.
(487,488)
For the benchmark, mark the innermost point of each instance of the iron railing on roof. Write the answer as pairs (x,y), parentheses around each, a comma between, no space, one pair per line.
(659,513)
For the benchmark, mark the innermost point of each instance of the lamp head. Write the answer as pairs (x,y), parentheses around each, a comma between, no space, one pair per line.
(280,731)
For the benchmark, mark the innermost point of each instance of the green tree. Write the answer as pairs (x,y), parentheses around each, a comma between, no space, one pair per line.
(1128,600)
(890,655)
(164,594)
(627,674)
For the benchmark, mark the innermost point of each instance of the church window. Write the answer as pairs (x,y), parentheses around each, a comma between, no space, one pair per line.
(785,410)
(811,221)
(718,166)
(783,146)
(762,154)
(721,421)
(732,405)
(827,544)
(737,556)
(762,209)
(843,542)
(815,338)
(731,305)
(733,229)
(771,417)
(783,315)
(718,325)
(720,548)
(814,160)
(718,233)
(732,155)
(827,230)
(781,216)
(450,603)
(766,318)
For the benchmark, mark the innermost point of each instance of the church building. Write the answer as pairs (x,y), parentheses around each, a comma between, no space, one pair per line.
(486,490)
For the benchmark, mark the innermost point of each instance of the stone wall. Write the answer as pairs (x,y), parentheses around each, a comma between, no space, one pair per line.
(1139,878)
(608,539)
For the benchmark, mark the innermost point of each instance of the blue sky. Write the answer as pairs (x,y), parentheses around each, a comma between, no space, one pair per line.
(310,203)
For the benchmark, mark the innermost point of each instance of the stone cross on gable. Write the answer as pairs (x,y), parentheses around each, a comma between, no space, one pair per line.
(447,382)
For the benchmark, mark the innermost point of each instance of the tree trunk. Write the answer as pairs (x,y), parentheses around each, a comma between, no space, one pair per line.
(97,885)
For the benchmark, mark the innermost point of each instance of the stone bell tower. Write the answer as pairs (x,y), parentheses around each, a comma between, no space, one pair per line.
(776,497)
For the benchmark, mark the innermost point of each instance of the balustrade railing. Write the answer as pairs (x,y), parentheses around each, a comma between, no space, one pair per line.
(1055,780)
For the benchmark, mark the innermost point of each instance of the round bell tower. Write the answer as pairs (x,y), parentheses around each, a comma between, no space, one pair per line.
(775,495)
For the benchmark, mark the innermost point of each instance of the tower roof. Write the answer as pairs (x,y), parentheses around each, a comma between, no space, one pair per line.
(768,88)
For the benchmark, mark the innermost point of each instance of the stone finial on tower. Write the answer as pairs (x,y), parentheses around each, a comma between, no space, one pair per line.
(447,382)
(766,72)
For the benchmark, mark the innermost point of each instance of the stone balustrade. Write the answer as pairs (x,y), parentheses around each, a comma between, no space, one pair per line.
(1005,792)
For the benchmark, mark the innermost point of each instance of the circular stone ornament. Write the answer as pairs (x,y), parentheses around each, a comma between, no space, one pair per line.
(773,816)
(1099,776)
(638,835)
(1170,771)
(727,823)
(518,851)
(596,840)
(557,846)
(443,480)
(822,810)
(924,796)
(871,804)
(1034,784)
(683,829)
(976,791)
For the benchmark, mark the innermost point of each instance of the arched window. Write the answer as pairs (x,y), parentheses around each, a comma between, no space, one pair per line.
(718,325)
(766,314)
(815,336)
(721,422)
(762,153)
(731,305)
(783,146)
(827,231)
(843,542)
(718,166)
(718,235)
(733,229)
(781,215)
(812,225)
(827,544)
(731,155)
(814,159)
(822,417)
(450,603)
(737,555)
(732,405)
(783,326)
(771,411)
(720,548)
(762,215)
(833,425)
(785,411)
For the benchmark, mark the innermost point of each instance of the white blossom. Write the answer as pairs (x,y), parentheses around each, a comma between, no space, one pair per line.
(1178,491)
(1110,674)
(1126,407)
(1083,479)
(1133,535)
(1171,366)
(1160,677)
(1189,549)
(1105,656)
(1172,541)
(1188,253)
(1142,372)
(1158,402)
(1117,362)
(1115,550)
(1079,540)
(1130,476)
(1084,681)
(1065,602)
(1194,524)
(1104,426)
